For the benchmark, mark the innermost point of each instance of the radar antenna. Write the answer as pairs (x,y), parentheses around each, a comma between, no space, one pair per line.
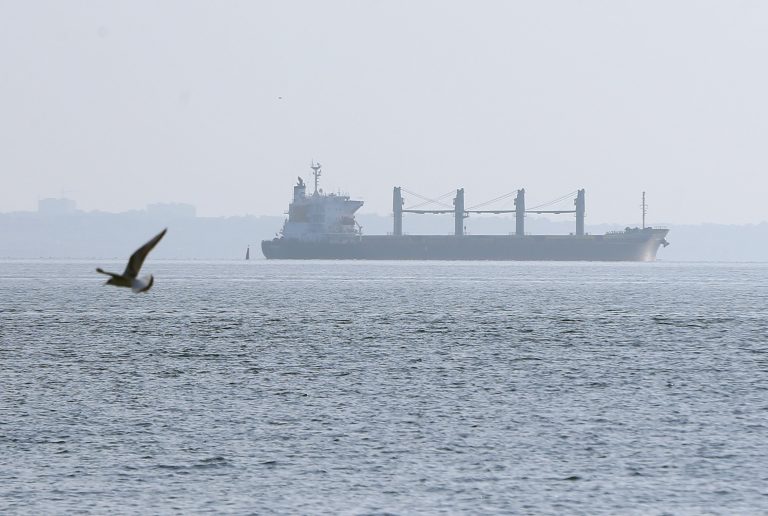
(316,172)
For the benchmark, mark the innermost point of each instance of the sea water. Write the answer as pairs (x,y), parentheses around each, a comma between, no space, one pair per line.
(385,387)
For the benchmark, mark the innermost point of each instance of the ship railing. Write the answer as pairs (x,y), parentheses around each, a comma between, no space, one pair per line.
(633,229)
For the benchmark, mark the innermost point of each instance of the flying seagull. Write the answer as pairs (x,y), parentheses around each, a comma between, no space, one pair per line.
(129,277)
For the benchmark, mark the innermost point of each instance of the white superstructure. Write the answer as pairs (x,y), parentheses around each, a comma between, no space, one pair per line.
(320,216)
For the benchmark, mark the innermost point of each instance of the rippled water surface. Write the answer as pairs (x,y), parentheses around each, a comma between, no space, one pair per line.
(361,387)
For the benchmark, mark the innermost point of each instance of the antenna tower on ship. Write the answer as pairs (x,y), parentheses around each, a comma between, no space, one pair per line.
(645,209)
(316,172)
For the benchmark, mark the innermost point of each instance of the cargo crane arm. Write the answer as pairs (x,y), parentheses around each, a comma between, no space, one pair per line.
(427,200)
(471,209)
(460,212)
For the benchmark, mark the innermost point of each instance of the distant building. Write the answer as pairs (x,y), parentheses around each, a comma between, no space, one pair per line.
(56,206)
(171,209)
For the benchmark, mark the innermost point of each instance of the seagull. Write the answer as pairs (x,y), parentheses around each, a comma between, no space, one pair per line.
(128,278)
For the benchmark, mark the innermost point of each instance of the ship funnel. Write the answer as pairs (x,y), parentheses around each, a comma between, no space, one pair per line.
(300,190)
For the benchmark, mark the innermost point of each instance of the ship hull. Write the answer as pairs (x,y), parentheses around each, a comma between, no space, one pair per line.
(633,245)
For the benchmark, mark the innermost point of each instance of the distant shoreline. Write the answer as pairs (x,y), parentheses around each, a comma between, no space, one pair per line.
(80,235)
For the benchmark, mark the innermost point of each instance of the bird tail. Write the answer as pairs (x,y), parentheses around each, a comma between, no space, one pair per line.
(102,271)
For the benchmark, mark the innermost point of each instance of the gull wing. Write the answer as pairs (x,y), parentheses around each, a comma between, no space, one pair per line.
(137,258)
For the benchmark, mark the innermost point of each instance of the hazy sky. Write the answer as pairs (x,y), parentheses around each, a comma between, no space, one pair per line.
(120,104)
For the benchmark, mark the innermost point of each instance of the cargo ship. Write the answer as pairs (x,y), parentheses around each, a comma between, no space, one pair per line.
(323,226)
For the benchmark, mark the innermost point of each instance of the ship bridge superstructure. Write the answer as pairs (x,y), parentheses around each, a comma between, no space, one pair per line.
(320,216)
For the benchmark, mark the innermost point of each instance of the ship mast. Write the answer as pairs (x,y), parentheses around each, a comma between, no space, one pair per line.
(316,172)
(645,209)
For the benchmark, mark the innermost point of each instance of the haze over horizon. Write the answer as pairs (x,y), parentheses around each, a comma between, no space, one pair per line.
(222,105)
